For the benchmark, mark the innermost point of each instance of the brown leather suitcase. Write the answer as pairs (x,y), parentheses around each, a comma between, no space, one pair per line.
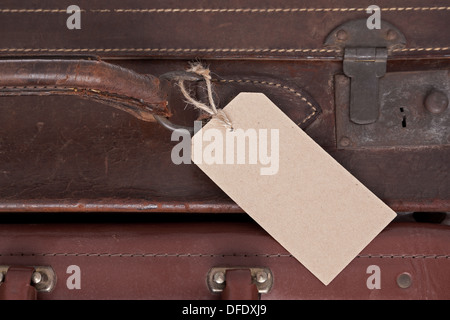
(210,261)
(376,101)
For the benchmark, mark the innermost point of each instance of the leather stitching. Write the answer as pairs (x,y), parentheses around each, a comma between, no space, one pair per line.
(184,50)
(273,84)
(225,10)
(266,10)
(212,255)
(215,10)
(39,87)
(34,10)
(64,89)
(205,50)
(277,85)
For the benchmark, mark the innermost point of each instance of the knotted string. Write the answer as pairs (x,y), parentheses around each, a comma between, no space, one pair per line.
(212,110)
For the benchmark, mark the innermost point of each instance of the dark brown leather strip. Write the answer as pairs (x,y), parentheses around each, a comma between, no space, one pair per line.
(121,88)
(17,284)
(239,286)
(232,29)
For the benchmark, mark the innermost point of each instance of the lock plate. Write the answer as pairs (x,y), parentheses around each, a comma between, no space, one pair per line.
(404,118)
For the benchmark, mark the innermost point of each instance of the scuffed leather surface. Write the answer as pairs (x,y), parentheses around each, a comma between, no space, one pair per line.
(64,154)
(139,95)
(68,154)
(171,260)
(192,28)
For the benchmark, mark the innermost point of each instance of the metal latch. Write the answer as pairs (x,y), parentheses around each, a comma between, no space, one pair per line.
(365,59)
(261,277)
(43,278)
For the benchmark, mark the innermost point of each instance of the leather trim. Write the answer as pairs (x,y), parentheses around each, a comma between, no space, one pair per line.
(220,28)
(171,260)
(294,110)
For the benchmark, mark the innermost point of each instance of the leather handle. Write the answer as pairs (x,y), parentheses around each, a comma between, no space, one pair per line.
(17,284)
(110,84)
(239,286)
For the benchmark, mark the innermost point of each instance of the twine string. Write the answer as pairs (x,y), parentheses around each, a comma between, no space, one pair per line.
(211,109)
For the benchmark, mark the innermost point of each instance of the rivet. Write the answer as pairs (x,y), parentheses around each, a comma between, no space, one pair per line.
(404,280)
(342,35)
(1,276)
(391,35)
(261,277)
(344,142)
(36,277)
(436,102)
(219,277)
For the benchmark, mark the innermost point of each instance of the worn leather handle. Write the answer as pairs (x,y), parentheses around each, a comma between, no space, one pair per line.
(239,286)
(17,284)
(110,84)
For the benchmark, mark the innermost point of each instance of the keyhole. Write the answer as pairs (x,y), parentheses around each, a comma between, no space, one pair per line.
(404,118)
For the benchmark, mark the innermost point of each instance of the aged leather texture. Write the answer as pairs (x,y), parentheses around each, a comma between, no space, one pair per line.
(229,29)
(170,260)
(61,153)
(69,154)
(129,91)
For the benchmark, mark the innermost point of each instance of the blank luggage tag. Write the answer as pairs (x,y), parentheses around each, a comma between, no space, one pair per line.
(289,185)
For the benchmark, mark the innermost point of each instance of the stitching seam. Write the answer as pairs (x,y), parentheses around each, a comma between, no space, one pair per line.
(273,84)
(35,10)
(42,87)
(65,89)
(224,10)
(212,255)
(267,10)
(126,101)
(195,50)
(277,85)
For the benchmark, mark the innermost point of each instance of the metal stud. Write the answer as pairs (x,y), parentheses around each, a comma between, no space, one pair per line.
(219,277)
(391,35)
(261,277)
(345,142)
(342,35)
(404,280)
(36,277)
(436,102)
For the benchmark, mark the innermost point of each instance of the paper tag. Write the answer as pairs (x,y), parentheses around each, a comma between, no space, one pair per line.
(289,185)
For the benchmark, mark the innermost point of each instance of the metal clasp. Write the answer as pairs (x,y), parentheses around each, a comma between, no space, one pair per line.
(364,66)
(365,58)
(43,278)
(261,277)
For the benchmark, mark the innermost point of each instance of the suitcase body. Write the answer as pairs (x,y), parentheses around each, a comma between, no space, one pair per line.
(375,99)
(182,261)
(67,154)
